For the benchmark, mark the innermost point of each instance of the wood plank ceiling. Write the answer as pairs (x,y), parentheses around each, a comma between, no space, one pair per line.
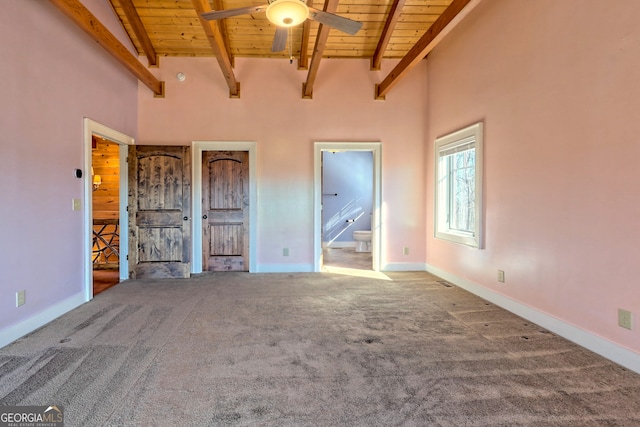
(392,29)
(173,28)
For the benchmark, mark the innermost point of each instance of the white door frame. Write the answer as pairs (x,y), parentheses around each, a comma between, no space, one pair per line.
(196,187)
(94,128)
(376,149)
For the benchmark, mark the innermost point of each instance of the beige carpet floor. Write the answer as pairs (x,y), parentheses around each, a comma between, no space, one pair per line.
(317,349)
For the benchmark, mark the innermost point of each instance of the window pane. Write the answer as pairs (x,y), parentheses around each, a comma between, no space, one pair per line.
(463,192)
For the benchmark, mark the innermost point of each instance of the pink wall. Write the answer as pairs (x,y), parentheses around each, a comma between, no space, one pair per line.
(556,84)
(285,126)
(53,76)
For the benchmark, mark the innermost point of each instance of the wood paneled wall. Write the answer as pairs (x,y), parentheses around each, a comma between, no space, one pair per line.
(106,163)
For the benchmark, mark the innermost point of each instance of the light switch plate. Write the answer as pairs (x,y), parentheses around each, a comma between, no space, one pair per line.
(76,204)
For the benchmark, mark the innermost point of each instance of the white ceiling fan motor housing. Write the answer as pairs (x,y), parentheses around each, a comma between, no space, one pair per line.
(287,13)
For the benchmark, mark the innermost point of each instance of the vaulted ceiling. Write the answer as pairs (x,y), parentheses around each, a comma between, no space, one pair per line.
(173,28)
(391,29)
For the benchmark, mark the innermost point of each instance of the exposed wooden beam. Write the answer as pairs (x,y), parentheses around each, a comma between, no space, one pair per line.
(303,62)
(140,32)
(216,40)
(321,42)
(84,19)
(452,15)
(389,26)
(217,5)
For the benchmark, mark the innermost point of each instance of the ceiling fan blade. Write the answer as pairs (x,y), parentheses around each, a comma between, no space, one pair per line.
(280,39)
(345,25)
(221,14)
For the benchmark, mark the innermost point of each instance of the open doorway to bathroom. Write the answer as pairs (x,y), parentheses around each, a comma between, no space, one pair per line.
(347,206)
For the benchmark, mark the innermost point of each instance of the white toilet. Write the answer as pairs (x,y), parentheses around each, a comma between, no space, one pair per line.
(363,240)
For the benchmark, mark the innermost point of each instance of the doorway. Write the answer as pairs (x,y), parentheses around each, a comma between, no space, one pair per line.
(112,208)
(225,210)
(105,179)
(347,207)
(159,212)
(350,213)
(200,152)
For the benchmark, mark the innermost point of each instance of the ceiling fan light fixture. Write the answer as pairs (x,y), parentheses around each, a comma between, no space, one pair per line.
(287,13)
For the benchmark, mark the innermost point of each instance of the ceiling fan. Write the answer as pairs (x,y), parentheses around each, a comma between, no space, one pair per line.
(288,13)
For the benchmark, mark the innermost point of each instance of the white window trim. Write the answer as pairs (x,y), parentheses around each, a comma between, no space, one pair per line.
(449,142)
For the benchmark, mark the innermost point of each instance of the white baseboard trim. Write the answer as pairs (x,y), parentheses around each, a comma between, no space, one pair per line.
(607,349)
(284,268)
(22,328)
(404,266)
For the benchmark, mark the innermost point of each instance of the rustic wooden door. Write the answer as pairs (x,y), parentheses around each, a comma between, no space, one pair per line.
(225,210)
(159,212)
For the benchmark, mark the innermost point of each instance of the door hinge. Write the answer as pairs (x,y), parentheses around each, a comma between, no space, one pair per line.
(127,257)
(127,208)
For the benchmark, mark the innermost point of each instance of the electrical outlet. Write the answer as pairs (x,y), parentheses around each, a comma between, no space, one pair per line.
(501,276)
(405,251)
(625,318)
(285,252)
(20,298)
